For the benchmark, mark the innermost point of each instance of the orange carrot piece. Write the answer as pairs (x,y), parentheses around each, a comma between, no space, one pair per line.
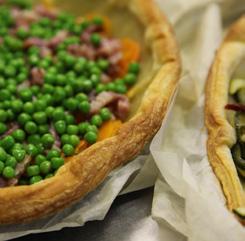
(109,129)
(131,53)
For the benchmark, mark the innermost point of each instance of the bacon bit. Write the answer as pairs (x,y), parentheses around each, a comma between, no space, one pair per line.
(37,76)
(105,78)
(23,18)
(235,107)
(109,129)
(108,47)
(110,98)
(34,41)
(46,11)
(44,52)
(58,38)
(57,143)
(85,50)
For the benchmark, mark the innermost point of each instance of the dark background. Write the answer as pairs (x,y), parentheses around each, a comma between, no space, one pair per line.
(117,225)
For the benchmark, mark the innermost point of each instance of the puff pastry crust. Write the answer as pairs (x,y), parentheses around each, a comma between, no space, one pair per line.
(221,135)
(85,171)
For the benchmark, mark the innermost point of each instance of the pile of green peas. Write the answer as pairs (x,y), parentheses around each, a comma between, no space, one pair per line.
(35,112)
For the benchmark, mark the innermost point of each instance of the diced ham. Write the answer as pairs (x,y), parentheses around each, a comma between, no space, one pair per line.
(235,107)
(11,128)
(19,171)
(84,50)
(105,78)
(107,98)
(33,41)
(23,18)
(57,143)
(45,51)
(37,76)
(44,12)
(109,47)
(58,38)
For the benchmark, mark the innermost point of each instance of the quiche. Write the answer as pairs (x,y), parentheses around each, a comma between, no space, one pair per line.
(225,99)
(84,85)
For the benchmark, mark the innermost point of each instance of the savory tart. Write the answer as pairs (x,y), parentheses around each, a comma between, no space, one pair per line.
(225,117)
(77,98)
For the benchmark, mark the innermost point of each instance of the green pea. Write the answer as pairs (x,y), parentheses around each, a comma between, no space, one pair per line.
(35,179)
(68,90)
(49,175)
(49,111)
(92,128)
(53,153)
(100,88)
(74,140)
(105,114)
(1,167)
(130,79)
(72,130)
(95,39)
(60,126)
(95,79)
(60,79)
(11,162)
(97,21)
(70,119)
(23,118)
(3,155)
(40,117)
(39,159)
(28,108)
(25,94)
(19,154)
(22,33)
(30,127)
(96,120)
(82,127)
(90,137)
(65,138)
(33,170)
(71,104)
(134,68)
(47,140)
(84,107)
(50,78)
(4,95)
(120,88)
(16,106)
(58,114)
(31,150)
(43,129)
(10,71)
(57,162)
(7,142)
(40,105)
(59,94)
(45,167)
(19,135)
(8,172)
(103,64)
(3,115)
(81,97)
(48,89)
(34,139)
(3,128)
(68,150)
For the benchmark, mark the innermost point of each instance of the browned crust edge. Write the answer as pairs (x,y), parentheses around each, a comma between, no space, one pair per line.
(88,169)
(221,135)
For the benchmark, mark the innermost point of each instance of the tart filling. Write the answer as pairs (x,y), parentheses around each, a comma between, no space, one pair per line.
(63,86)
(237,92)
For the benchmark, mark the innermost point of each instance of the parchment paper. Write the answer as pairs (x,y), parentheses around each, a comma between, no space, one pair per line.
(187,194)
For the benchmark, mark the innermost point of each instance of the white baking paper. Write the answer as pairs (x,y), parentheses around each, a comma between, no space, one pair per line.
(187,194)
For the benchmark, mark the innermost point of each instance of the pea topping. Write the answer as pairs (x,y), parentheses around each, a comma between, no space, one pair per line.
(33,170)
(45,167)
(48,94)
(68,150)
(57,162)
(35,179)
(30,127)
(90,137)
(8,172)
